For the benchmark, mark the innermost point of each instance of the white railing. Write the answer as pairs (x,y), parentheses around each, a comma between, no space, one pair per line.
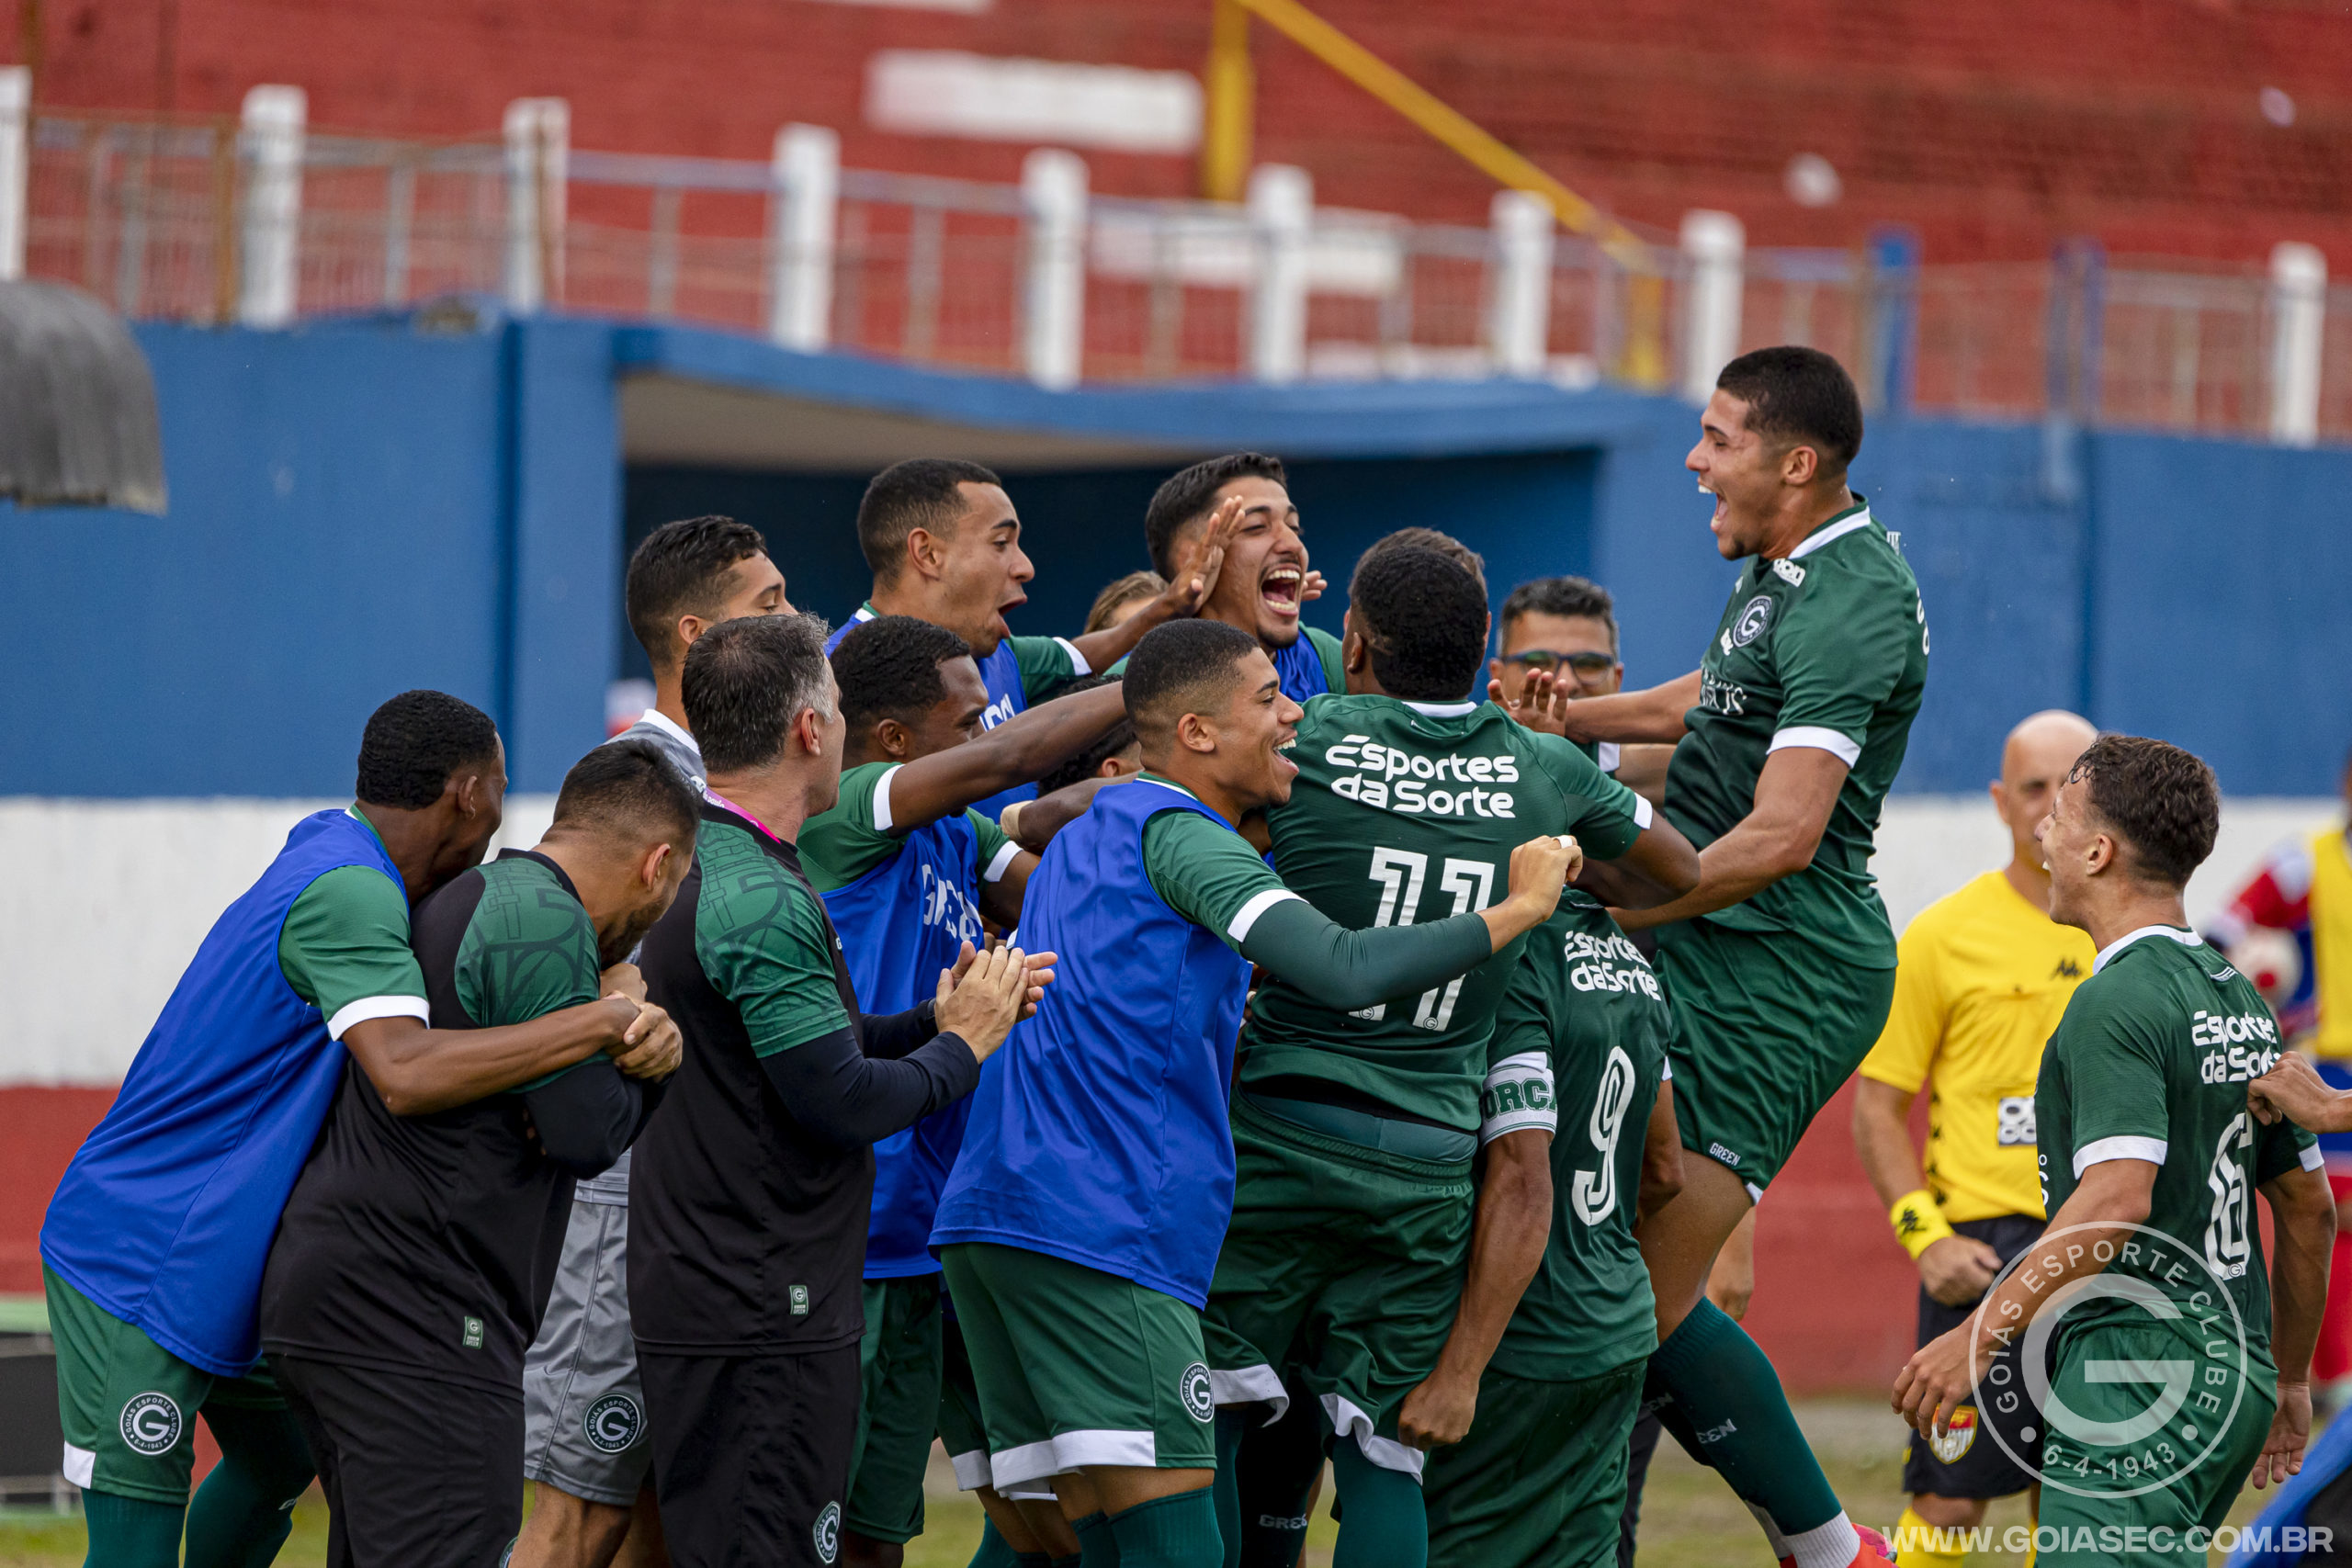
(266,220)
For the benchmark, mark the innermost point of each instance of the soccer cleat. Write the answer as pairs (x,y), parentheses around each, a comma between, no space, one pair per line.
(1874,1550)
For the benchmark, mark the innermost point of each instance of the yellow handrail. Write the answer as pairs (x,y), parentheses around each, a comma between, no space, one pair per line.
(1225,156)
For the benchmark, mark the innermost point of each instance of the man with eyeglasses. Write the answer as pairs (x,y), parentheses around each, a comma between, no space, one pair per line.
(1567,627)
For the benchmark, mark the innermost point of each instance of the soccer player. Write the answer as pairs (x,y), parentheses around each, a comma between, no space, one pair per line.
(1354,1129)
(945,545)
(1983,979)
(1577,1069)
(583,1410)
(153,1247)
(1232,517)
(1081,1225)
(414,1258)
(907,870)
(1781,962)
(749,1202)
(2150,1159)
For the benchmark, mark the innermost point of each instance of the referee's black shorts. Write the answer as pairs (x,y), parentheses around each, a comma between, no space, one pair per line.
(751,1454)
(418,1473)
(1977,1456)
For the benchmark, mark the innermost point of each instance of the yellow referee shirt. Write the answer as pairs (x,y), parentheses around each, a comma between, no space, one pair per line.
(1981,979)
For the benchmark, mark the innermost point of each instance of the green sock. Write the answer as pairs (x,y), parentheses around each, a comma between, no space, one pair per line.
(1097,1546)
(1725,1390)
(244,1510)
(1387,1524)
(995,1551)
(127,1532)
(1175,1532)
(1231,1426)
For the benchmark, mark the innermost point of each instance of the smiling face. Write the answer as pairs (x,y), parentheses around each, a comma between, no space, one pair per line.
(1258,589)
(2077,847)
(981,566)
(1742,470)
(1257,726)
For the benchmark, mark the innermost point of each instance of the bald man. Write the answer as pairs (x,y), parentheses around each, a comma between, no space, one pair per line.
(1981,979)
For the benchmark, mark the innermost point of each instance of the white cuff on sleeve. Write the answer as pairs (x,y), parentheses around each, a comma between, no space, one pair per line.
(2312,1160)
(1820,739)
(1643,815)
(996,868)
(882,798)
(1607,756)
(1247,916)
(1518,1096)
(1079,666)
(2101,1150)
(366,1008)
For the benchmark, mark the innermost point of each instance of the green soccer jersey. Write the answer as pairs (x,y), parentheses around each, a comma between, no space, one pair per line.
(529,950)
(344,947)
(2151,1062)
(1406,812)
(762,941)
(837,847)
(1585,1008)
(1828,648)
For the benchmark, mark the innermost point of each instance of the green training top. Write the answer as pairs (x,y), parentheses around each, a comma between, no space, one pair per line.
(346,941)
(529,950)
(1584,1004)
(1403,813)
(837,847)
(1826,648)
(2150,1063)
(761,939)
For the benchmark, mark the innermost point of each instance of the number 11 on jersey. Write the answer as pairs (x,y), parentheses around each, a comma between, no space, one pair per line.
(1401,875)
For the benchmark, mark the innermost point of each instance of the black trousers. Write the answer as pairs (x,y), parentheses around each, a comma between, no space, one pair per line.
(751,1454)
(418,1473)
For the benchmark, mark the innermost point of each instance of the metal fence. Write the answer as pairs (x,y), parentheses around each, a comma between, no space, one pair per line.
(264,221)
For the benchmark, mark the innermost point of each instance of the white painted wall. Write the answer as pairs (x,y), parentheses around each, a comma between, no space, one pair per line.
(104,902)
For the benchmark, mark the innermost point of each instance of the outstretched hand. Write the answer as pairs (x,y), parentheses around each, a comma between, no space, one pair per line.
(1196,574)
(1542,703)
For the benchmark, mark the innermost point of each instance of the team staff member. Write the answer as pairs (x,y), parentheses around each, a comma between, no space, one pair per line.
(1354,1130)
(2149,1163)
(1230,521)
(908,870)
(749,1203)
(1081,1225)
(944,546)
(1577,1067)
(154,1243)
(583,1412)
(1781,962)
(415,1257)
(1981,979)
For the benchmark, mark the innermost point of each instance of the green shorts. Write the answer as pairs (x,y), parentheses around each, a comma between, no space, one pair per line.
(1765,1028)
(2137,1502)
(1539,1481)
(1076,1367)
(898,1376)
(1341,1271)
(128,1405)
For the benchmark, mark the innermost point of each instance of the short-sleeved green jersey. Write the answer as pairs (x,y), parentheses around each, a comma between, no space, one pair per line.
(762,941)
(2150,1063)
(1584,1000)
(837,847)
(1828,648)
(1207,873)
(344,947)
(529,950)
(1047,665)
(1405,812)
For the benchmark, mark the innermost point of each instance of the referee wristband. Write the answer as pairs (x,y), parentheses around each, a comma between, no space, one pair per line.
(1918,1223)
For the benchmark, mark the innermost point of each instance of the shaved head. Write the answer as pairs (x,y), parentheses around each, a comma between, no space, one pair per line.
(2034,757)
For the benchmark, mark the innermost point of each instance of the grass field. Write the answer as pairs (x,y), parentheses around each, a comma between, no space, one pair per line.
(1690,1519)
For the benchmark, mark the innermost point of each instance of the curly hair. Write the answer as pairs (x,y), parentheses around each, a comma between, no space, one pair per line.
(414,742)
(1424,619)
(2161,800)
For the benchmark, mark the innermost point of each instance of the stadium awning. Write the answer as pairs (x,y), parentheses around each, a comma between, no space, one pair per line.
(77,404)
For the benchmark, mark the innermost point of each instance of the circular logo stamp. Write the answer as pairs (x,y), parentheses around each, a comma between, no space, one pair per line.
(2152,1374)
(1754,616)
(613,1423)
(827,1532)
(151,1423)
(1200,1402)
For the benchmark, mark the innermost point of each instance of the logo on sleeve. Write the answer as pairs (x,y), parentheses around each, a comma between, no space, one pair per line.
(1754,617)
(613,1423)
(1789,572)
(151,1423)
(827,1532)
(1199,1403)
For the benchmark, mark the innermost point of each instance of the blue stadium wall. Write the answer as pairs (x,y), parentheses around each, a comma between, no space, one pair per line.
(361,507)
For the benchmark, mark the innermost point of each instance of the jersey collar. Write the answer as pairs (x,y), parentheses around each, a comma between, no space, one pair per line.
(1147,776)
(2185,939)
(1855,516)
(667,725)
(863,613)
(1441,710)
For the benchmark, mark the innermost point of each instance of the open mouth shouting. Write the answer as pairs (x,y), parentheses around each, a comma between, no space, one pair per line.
(1004,626)
(1279,587)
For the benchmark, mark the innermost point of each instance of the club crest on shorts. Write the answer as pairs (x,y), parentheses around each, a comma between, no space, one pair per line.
(151,1423)
(1958,1436)
(1754,616)
(827,1532)
(1193,1386)
(613,1423)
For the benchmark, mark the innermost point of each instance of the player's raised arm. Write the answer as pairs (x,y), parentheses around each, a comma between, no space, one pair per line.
(1794,795)
(1189,588)
(1020,750)
(1651,714)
